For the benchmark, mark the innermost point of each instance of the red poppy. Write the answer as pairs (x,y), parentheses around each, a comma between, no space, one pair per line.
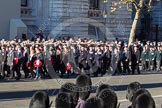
(37,63)
(68,66)
(15,61)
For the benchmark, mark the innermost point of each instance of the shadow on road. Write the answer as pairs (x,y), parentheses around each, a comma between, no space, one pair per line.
(16,95)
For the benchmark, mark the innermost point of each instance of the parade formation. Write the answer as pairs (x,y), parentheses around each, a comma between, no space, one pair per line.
(75,56)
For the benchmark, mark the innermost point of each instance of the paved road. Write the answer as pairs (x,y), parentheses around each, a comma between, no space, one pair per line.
(17,94)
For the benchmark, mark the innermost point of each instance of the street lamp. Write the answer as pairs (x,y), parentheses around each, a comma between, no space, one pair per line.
(104,14)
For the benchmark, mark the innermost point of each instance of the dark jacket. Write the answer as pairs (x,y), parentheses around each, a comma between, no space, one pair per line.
(135,56)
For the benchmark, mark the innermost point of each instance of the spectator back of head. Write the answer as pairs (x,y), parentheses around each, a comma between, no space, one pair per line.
(94,102)
(63,100)
(83,83)
(139,92)
(72,89)
(40,100)
(109,98)
(102,87)
(143,101)
(131,89)
(68,87)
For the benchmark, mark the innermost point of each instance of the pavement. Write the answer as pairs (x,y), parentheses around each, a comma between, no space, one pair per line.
(17,94)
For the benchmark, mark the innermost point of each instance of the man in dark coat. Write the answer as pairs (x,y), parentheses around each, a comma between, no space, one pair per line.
(135,58)
(147,56)
(106,59)
(57,58)
(90,58)
(76,54)
(18,54)
(126,59)
(46,56)
(24,61)
(83,64)
(98,60)
(120,51)
(115,60)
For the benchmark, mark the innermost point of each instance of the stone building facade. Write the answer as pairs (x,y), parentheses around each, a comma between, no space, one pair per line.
(78,18)
(84,18)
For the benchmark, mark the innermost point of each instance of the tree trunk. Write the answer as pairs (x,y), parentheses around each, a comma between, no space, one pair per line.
(134,26)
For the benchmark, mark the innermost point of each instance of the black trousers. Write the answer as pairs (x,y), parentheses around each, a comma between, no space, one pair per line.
(126,67)
(25,69)
(5,67)
(135,66)
(15,68)
(98,71)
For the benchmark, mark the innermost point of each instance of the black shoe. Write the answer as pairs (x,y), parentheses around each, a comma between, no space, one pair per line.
(17,78)
(26,76)
(8,75)
(12,77)
(67,76)
(61,76)
(0,77)
(95,75)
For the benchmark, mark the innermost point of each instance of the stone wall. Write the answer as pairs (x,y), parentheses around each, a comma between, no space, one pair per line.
(9,9)
(116,25)
(69,17)
(66,17)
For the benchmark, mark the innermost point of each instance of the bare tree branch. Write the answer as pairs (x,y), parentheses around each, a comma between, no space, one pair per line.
(150,2)
(146,5)
(141,3)
(136,5)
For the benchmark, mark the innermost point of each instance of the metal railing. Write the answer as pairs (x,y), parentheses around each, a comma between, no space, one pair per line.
(95,13)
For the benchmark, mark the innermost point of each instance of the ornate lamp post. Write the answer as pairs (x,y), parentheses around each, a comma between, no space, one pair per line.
(104,14)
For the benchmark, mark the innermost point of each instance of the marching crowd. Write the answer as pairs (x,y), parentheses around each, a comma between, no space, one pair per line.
(75,56)
(77,95)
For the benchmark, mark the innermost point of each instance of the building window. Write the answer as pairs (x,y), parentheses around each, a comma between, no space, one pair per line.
(24,3)
(94,4)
